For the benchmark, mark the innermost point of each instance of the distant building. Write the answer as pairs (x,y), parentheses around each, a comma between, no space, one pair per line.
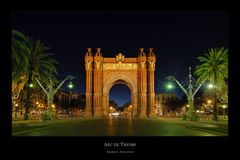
(62,99)
(65,99)
(161,100)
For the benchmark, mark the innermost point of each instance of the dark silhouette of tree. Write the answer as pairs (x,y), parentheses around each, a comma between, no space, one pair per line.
(127,104)
(113,104)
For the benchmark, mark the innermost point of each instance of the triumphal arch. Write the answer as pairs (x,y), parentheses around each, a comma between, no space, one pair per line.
(103,73)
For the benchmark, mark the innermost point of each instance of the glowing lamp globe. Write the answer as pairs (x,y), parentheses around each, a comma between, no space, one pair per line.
(169,86)
(70,85)
(210,86)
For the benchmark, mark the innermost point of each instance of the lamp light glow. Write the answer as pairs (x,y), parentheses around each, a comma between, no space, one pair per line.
(70,85)
(210,86)
(170,86)
(31,85)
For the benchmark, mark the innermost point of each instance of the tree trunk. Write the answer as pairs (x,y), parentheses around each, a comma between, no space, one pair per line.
(215,108)
(50,102)
(26,117)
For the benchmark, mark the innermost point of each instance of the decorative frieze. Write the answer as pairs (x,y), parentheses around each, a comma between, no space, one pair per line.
(120,66)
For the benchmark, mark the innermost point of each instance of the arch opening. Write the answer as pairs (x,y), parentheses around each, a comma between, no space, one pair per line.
(128,83)
(119,99)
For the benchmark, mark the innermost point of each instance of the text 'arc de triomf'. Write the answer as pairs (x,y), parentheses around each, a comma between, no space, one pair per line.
(137,73)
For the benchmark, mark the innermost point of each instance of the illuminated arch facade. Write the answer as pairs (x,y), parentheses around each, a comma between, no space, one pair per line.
(137,73)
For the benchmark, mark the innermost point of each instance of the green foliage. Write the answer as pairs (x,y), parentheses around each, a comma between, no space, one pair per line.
(214,68)
(191,115)
(19,56)
(49,115)
(42,65)
(28,56)
(222,93)
(31,59)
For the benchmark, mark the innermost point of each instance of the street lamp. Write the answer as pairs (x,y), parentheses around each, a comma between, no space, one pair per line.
(210,86)
(131,111)
(213,87)
(31,85)
(50,92)
(209,101)
(224,107)
(70,86)
(190,91)
(169,86)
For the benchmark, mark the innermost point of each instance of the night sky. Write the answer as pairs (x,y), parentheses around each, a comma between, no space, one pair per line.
(178,38)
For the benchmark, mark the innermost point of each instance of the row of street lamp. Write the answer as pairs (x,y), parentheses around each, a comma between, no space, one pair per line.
(190,91)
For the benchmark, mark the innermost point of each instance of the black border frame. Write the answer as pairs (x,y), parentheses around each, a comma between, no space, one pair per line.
(93,146)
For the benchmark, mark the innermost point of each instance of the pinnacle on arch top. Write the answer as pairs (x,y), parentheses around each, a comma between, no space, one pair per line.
(151,53)
(89,52)
(98,49)
(98,53)
(89,49)
(141,54)
(150,50)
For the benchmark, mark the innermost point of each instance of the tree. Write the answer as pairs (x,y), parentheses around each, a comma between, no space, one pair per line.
(19,63)
(199,99)
(37,63)
(125,105)
(113,104)
(214,68)
(222,93)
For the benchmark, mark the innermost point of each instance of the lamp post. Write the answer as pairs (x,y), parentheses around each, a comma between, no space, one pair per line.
(210,86)
(131,111)
(189,92)
(31,85)
(50,92)
(27,108)
(209,102)
(224,107)
(214,100)
(70,86)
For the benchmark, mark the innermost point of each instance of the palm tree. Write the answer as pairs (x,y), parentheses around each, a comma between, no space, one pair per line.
(30,59)
(214,68)
(19,63)
(41,65)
